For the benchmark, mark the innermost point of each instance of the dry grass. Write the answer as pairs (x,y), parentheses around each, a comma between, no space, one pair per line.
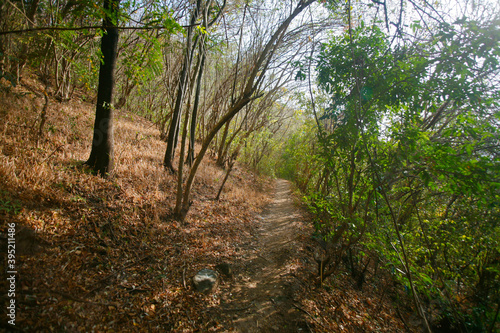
(44,165)
(89,228)
(103,254)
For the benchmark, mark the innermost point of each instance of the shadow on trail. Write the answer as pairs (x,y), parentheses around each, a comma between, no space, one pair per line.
(261,298)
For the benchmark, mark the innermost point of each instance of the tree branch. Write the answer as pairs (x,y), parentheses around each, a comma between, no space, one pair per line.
(20,31)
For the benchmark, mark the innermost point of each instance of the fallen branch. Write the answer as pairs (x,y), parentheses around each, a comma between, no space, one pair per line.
(104,279)
(280,245)
(76,299)
(240,309)
(310,315)
(261,257)
(133,289)
(55,150)
(402,319)
(303,310)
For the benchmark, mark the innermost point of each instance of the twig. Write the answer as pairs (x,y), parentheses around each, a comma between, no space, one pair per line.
(59,28)
(184,275)
(80,300)
(280,245)
(240,309)
(258,255)
(76,299)
(189,318)
(307,313)
(117,272)
(402,319)
(133,289)
(303,310)
(55,150)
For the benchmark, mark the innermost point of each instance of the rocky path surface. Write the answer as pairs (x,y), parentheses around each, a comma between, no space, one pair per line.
(261,296)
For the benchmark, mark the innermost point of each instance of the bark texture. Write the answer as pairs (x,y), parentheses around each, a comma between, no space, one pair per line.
(101,155)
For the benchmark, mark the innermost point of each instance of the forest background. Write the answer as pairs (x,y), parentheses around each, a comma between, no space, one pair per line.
(384,113)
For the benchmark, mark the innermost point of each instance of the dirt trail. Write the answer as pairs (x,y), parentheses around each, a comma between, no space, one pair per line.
(261,296)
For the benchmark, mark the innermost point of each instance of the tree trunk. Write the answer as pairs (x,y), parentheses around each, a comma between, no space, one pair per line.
(253,82)
(101,155)
(125,94)
(206,143)
(220,155)
(229,169)
(174,124)
(178,212)
(229,143)
(192,134)
(43,114)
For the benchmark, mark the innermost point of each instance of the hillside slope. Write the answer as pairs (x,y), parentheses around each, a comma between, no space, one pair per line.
(100,255)
(93,253)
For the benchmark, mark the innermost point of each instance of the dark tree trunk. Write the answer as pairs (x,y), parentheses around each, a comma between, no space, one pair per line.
(176,115)
(43,114)
(101,155)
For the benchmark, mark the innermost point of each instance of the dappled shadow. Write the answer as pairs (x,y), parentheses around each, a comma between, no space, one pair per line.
(261,299)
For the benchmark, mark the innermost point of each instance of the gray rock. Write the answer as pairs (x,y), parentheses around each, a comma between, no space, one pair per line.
(205,281)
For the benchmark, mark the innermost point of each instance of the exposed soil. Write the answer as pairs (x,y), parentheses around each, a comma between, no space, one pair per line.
(275,286)
(261,296)
(97,255)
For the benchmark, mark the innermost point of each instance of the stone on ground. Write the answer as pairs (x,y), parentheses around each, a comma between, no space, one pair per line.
(205,281)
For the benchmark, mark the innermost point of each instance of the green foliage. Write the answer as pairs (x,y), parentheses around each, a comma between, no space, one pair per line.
(156,15)
(296,152)
(143,61)
(9,205)
(409,139)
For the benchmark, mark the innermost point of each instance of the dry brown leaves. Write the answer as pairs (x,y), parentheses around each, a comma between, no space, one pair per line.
(107,257)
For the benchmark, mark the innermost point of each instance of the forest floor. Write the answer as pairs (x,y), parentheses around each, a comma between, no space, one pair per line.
(104,255)
(275,288)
